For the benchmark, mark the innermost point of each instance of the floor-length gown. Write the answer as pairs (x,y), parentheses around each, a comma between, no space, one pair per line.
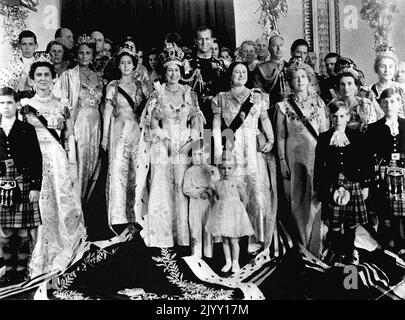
(124,136)
(84,100)
(87,131)
(62,217)
(162,208)
(300,156)
(252,166)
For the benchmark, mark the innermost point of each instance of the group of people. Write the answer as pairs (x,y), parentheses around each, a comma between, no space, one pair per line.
(204,146)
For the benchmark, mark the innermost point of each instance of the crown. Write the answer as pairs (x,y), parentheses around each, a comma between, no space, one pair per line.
(172,54)
(42,56)
(385,50)
(84,38)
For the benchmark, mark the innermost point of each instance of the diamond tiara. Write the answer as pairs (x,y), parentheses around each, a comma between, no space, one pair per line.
(385,50)
(42,56)
(84,38)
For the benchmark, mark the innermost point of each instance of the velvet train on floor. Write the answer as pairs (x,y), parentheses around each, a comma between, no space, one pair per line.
(124,268)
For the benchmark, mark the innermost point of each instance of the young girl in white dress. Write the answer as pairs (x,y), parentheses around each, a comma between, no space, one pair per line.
(229,218)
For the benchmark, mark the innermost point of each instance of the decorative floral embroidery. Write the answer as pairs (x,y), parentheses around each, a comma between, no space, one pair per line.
(314,115)
(190,290)
(65,281)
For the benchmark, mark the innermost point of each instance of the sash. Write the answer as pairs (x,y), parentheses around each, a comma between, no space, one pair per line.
(29,109)
(138,111)
(237,121)
(303,119)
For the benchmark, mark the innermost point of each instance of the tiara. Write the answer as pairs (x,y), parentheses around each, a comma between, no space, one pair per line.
(297,63)
(42,56)
(172,54)
(84,38)
(347,65)
(126,50)
(385,50)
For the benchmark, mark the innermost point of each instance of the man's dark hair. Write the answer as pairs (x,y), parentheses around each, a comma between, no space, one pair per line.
(297,43)
(27,34)
(331,55)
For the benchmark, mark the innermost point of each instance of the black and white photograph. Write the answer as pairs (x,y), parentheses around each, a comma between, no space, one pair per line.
(219,151)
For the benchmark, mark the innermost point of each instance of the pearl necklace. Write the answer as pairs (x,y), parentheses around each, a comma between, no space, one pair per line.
(43,99)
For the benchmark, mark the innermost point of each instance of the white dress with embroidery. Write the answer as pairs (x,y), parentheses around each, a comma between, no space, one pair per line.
(161,206)
(252,167)
(228,217)
(62,217)
(123,131)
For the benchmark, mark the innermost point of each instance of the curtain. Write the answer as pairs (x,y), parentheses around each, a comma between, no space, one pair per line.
(148,21)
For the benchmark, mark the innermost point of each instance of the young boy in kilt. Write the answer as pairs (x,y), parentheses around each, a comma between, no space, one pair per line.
(385,141)
(342,176)
(20,183)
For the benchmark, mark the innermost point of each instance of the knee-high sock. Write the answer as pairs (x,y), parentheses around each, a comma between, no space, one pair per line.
(23,252)
(8,245)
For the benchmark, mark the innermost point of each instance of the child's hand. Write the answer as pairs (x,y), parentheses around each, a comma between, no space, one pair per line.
(204,195)
(242,115)
(34,196)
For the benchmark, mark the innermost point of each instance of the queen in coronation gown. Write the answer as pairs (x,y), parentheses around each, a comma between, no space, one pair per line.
(171,121)
(62,218)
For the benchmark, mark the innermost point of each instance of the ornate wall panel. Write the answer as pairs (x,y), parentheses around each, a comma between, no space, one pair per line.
(321,27)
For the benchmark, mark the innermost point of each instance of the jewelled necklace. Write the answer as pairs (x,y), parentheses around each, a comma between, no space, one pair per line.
(172,92)
(87,76)
(239,95)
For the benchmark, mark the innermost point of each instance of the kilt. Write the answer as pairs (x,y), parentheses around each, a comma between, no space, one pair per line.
(397,207)
(392,195)
(354,213)
(23,214)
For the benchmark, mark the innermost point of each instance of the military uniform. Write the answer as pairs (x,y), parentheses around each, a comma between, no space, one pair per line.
(204,77)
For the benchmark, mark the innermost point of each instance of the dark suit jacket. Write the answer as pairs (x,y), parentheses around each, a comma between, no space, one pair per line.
(22,146)
(381,144)
(350,160)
